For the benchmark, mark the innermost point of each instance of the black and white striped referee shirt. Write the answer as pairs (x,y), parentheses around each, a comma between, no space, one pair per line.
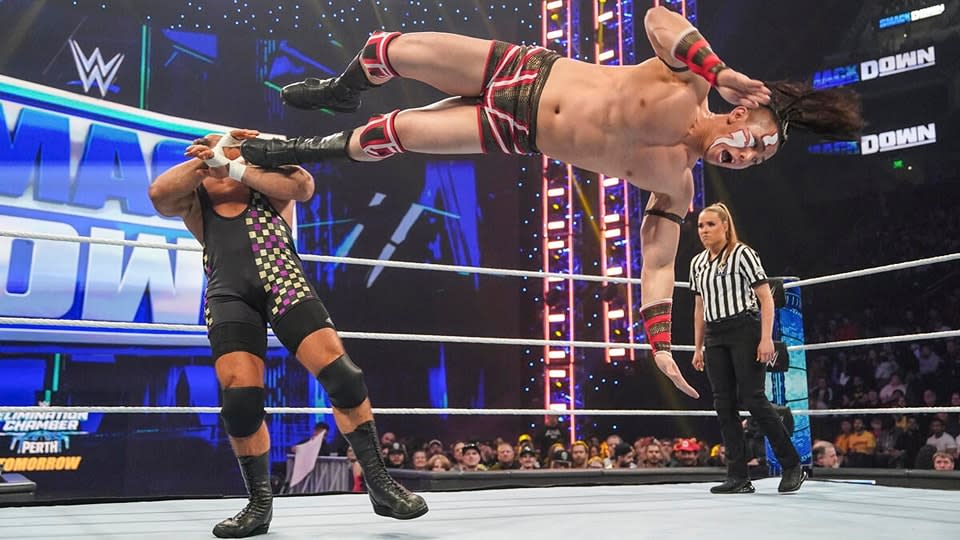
(727,288)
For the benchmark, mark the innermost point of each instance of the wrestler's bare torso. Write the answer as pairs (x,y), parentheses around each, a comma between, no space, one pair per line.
(627,122)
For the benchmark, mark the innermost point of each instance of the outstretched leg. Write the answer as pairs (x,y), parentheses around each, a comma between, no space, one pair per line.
(447,127)
(502,119)
(322,353)
(451,63)
(659,236)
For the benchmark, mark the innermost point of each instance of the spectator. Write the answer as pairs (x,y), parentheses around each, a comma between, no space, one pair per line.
(488,454)
(653,456)
(458,454)
(685,452)
(552,432)
(623,455)
(825,455)
(438,463)
(606,450)
(356,472)
(387,438)
(928,362)
(929,398)
(579,455)
(666,450)
(943,461)
(528,458)
(560,459)
(418,460)
(940,439)
(842,441)
(396,456)
(887,454)
(895,384)
(861,446)
(505,458)
(434,447)
(885,369)
(821,397)
(718,456)
(910,440)
(471,458)
(872,399)
(925,457)
(953,420)
(596,462)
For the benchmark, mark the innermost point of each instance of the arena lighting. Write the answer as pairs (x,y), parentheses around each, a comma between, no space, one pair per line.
(911,16)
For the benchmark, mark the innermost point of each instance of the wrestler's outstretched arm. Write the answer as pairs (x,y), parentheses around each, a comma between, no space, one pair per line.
(680,45)
(659,237)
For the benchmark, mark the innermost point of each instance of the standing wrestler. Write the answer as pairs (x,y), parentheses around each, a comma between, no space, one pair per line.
(241,215)
(647,123)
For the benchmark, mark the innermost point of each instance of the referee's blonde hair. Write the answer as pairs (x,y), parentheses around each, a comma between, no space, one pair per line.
(721,210)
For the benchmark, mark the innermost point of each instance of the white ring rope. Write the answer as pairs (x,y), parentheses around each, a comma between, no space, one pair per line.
(474,269)
(468,412)
(477,340)
(341,260)
(874,270)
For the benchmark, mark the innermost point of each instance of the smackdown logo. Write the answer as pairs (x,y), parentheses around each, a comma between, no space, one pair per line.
(872,69)
(912,16)
(886,141)
(76,166)
(899,139)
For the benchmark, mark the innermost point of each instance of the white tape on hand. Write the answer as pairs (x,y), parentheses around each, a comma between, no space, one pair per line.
(236,170)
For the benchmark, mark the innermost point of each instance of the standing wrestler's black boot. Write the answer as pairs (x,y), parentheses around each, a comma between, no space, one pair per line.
(389,498)
(255,518)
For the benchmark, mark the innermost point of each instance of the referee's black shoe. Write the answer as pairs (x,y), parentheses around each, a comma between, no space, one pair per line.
(733,486)
(792,479)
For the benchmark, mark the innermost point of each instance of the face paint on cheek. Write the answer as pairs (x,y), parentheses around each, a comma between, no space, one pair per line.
(770,140)
(737,139)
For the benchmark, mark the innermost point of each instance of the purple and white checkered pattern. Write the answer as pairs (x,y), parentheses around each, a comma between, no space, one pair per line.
(207,316)
(274,255)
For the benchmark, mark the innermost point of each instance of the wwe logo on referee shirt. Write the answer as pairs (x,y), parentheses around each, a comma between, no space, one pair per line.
(92,69)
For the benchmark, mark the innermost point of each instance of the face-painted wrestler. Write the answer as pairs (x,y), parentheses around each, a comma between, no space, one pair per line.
(648,123)
(242,217)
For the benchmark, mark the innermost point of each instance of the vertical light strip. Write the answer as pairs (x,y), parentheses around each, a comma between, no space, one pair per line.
(144,64)
(55,382)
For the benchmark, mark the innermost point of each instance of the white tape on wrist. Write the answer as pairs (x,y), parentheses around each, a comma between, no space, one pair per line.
(218,159)
(236,170)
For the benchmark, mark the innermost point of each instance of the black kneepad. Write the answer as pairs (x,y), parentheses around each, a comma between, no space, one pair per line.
(242,410)
(343,381)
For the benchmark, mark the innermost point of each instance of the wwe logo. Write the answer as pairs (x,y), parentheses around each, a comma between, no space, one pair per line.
(92,69)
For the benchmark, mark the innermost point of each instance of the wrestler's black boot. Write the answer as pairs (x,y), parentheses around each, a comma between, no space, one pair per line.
(792,479)
(341,94)
(733,485)
(389,498)
(272,153)
(255,518)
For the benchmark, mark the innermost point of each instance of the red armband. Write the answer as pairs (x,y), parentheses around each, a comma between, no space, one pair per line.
(657,322)
(694,51)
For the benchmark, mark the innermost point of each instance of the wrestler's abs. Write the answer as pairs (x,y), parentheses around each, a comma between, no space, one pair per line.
(613,120)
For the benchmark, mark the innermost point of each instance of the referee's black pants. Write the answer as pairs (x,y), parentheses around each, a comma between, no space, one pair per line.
(730,356)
